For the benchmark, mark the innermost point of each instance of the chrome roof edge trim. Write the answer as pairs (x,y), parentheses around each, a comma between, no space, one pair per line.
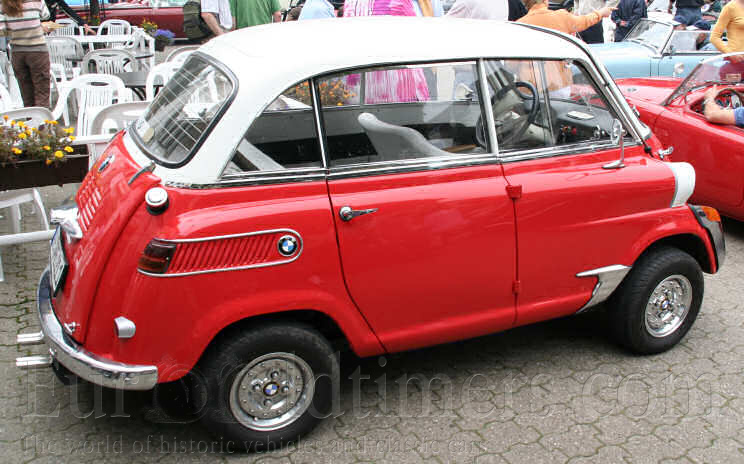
(608,279)
(235,268)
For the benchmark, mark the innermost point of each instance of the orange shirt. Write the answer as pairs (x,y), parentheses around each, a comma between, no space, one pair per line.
(731,20)
(560,20)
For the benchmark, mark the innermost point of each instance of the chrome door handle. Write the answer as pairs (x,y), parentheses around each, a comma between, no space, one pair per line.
(347,214)
(664,153)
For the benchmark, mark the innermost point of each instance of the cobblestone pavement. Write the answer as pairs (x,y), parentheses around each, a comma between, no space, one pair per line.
(554,392)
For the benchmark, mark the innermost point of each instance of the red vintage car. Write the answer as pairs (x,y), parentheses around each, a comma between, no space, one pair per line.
(673,109)
(167,14)
(383,197)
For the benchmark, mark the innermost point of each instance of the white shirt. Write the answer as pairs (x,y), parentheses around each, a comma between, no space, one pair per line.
(480,9)
(221,8)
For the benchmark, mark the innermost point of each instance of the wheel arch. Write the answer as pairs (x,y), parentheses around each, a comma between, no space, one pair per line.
(687,242)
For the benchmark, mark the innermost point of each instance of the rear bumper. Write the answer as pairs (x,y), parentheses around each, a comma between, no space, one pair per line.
(82,362)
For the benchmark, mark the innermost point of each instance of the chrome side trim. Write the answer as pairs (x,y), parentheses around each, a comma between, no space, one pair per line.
(82,362)
(237,268)
(420,164)
(608,279)
(549,152)
(255,178)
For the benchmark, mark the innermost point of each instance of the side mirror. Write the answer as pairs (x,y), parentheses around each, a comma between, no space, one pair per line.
(617,137)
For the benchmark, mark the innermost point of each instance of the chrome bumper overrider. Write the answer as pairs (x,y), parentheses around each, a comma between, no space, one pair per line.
(78,360)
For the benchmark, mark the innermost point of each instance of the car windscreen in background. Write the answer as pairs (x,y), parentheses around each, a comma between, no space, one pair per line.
(183,112)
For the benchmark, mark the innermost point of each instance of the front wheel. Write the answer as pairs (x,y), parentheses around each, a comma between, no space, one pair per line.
(658,302)
(267,386)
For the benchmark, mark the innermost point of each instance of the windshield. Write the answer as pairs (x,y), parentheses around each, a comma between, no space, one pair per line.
(721,69)
(650,33)
(184,112)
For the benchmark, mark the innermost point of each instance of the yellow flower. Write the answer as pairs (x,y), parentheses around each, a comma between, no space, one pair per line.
(48,162)
(47,147)
(69,130)
(17,151)
(12,122)
(69,149)
(5,116)
(72,137)
(46,121)
(22,135)
(58,154)
(54,123)
(21,124)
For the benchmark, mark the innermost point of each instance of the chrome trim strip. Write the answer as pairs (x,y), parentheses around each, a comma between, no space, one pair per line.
(486,98)
(608,279)
(548,152)
(237,268)
(419,164)
(318,126)
(82,362)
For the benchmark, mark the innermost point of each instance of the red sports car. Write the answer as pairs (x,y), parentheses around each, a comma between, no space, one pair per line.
(167,14)
(673,109)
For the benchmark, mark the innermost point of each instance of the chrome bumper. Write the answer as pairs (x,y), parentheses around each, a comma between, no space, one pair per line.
(78,360)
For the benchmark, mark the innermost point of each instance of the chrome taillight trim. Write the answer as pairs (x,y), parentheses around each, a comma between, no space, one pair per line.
(294,257)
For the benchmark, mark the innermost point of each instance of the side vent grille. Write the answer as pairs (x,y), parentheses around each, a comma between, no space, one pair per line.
(88,200)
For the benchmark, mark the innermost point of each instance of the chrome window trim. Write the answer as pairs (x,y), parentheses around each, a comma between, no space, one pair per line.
(319,133)
(418,164)
(563,150)
(486,98)
(236,268)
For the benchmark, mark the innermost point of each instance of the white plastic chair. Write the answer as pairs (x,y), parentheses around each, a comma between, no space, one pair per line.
(109,61)
(142,44)
(108,122)
(162,72)
(6,101)
(93,93)
(71,28)
(33,116)
(115,27)
(62,48)
(181,53)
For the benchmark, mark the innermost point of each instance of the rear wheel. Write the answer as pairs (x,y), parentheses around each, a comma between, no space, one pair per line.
(267,386)
(658,302)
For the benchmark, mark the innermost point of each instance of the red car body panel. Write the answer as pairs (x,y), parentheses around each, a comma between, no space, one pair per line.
(716,151)
(436,262)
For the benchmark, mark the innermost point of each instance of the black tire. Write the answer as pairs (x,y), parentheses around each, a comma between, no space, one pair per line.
(627,308)
(229,360)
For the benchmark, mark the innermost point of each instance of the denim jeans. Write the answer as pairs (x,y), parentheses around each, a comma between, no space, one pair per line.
(688,15)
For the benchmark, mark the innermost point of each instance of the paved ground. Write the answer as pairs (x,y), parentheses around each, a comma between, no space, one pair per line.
(555,392)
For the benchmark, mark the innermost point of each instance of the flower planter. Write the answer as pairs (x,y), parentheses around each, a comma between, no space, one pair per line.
(36,173)
(160,45)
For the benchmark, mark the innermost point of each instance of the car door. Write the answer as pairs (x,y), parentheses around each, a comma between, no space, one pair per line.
(685,49)
(571,211)
(425,227)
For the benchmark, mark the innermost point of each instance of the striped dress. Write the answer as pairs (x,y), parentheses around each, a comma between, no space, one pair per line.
(24,32)
(400,85)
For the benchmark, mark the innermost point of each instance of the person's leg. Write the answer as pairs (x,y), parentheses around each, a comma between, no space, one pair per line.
(23,76)
(593,34)
(39,64)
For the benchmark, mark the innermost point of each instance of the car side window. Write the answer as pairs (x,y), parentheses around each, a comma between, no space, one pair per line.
(398,113)
(579,112)
(282,137)
(517,98)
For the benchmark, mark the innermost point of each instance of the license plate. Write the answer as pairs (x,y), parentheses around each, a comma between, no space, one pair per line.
(57,261)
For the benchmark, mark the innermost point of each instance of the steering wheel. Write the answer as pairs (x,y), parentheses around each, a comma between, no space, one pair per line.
(729,98)
(512,120)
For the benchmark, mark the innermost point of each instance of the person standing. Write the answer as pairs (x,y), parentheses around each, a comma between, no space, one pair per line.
(480,9)
(428,8)
(516,9)
(256,12)
(20,20)
(594,33)
(217,15)
(688,11)
(731,21)
(628,14)
(538,14)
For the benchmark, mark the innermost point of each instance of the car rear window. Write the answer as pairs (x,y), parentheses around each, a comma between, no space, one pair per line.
(184,112)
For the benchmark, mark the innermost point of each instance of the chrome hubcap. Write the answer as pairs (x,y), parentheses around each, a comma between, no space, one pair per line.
(668,305)
(272,391)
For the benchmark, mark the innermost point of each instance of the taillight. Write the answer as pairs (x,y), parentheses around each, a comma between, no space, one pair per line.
(157,257)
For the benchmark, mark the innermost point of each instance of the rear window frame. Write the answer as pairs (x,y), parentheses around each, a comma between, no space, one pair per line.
(207,131)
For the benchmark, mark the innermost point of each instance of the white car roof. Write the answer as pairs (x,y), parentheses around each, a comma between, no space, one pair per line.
(307,48)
